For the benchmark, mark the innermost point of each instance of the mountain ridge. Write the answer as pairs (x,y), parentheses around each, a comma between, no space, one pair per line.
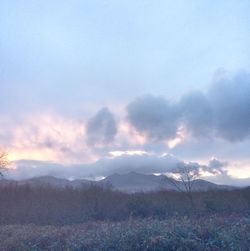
(129,182)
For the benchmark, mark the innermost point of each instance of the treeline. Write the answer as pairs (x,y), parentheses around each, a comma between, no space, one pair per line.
(22,204)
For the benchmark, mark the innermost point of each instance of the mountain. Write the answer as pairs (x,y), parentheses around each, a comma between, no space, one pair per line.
(204,185)
(130,182)
(136,182)
(48,181)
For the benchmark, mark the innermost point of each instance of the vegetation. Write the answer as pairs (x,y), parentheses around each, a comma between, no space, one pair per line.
(53,206)
(95,218)
(186,174)
(178,233)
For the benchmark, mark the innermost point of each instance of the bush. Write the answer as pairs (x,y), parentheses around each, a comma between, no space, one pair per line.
(178,233)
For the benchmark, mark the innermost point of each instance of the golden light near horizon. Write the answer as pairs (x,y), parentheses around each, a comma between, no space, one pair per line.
(49,137)
(115,154)
(32,154)
(240,170)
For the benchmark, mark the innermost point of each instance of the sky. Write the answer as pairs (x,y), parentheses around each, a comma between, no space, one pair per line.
(89,88)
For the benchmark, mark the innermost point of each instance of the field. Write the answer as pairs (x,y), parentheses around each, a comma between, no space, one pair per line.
(178,233)
(45,218)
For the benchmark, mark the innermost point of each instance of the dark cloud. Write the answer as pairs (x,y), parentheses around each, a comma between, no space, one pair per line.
(101,129)
(197,114)
(154,117)
(216,166)
(230,99)
(224,112)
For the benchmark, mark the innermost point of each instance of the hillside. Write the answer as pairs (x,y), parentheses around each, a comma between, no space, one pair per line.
(130,182)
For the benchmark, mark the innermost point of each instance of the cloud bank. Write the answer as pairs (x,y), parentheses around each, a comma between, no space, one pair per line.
(144,163)
(154,116)
(223,111)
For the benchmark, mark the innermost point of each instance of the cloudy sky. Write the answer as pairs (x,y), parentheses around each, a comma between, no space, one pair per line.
(92,87)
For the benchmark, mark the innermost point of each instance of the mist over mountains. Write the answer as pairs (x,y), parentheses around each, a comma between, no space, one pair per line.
(141,163)
(130,182)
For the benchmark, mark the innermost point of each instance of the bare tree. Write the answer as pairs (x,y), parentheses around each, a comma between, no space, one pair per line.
(184,175)
(3,162)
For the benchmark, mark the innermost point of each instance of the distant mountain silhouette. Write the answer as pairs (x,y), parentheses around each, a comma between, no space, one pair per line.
(130,182)
(48,181)
(135,182)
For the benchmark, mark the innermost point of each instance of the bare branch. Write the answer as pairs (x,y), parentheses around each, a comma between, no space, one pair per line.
(184,183)
(3,162)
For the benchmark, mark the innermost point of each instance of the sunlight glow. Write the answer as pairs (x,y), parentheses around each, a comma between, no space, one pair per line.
(115,154)
(126,132)
(181,135)
(240,171)
(49,137)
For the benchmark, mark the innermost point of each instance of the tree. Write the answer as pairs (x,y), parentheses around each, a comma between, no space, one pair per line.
(184,175)
(3,162)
